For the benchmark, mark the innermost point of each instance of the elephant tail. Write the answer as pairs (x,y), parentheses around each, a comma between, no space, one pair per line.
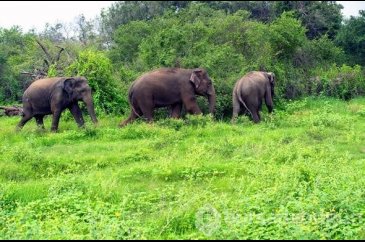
(130,95)
(244,104)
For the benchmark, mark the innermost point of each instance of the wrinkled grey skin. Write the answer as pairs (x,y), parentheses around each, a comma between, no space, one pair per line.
(249,92)
(53,96)
(169,87)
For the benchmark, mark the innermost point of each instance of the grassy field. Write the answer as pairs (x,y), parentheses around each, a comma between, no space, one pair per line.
(299,174)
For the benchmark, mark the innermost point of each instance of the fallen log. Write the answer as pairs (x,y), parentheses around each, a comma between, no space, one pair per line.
(12,111)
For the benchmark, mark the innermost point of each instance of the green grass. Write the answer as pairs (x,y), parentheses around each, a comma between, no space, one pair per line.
(299,174)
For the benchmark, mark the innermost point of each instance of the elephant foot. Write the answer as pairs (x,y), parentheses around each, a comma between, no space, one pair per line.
(123,124)
(54,130)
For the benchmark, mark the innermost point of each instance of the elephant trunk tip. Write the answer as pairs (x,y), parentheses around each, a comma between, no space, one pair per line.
(212,101)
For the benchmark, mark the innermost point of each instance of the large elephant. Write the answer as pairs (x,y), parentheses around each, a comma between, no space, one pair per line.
(249,92)
(54,95)
(169,87)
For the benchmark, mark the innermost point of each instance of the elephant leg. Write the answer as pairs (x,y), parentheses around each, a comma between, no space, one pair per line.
(39,120)
(23,121)
(26,116)
(236,108)
(148,114)
(256,116)
(268,101)
(77,114)
(176,110)
(146,107)
(55,120)
(191,106)
(260,105)
(254,111)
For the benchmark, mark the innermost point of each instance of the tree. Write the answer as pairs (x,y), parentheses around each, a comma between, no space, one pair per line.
(351,38)
(14,49)
(287,34)
(85,30)
(123,12)
(54,33)
(259,10)
(127,40)
(98,70)
(319,17)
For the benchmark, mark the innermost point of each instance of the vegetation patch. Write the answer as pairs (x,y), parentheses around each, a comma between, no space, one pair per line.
(193,178)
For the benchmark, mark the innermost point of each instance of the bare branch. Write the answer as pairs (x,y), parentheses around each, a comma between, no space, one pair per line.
(12,111)
(41,72)
(59,53)
(46,63)
(27,73)
(44,50)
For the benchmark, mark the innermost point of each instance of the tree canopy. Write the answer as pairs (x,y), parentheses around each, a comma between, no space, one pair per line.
(307,45)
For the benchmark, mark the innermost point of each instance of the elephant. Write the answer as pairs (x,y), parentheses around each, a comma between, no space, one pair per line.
(249,91)
(53,96)
(172,88)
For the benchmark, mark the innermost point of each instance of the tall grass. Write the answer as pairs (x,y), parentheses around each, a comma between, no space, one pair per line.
(299,174)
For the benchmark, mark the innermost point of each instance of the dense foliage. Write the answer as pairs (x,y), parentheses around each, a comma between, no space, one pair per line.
(352,38)
(227,38)
(97,69)
(303,43)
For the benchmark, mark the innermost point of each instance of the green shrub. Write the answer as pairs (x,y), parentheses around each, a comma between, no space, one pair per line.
(52,71)
(98,70)
(287,34)
(343,82)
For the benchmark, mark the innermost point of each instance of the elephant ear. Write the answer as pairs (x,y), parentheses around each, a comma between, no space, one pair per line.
(81,79)
(195,77)
(271,77)
(68,85)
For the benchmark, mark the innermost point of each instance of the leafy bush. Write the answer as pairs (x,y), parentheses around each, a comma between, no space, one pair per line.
(287,34)
(52,71)
(126,41)
(229,39)
(98,70)
(351,38)
(343,82)
(15,51)
(228,46)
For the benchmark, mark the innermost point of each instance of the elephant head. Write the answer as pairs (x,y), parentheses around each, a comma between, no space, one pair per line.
(203,86)
(271,77)
(78,89)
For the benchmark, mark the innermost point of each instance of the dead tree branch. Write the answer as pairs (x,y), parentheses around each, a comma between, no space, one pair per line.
(49,58)
(12,111)
(48,61)
(59,53)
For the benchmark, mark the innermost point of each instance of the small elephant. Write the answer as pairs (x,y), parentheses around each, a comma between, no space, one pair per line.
(52,96)
(249,92)
(169,87)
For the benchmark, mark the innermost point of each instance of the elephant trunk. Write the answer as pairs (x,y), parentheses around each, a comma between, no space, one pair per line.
(211,99)
(90,108)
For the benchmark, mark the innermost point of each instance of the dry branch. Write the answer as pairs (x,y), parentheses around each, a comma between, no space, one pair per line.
(49,58)
(12,111)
